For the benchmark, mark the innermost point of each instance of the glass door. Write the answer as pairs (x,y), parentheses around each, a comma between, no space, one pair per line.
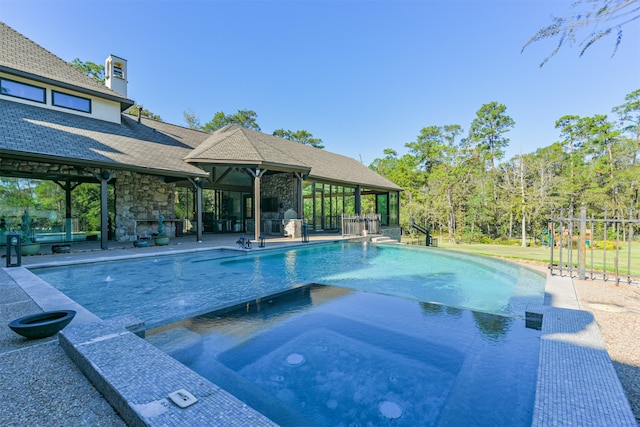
(318,209)
(247,213)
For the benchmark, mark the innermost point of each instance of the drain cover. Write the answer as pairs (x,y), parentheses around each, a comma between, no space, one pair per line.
(390,409)
(295,359)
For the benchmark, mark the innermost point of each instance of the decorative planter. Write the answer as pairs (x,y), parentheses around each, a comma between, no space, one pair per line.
(162,240)
(141,243)
(42,325)
(30,249)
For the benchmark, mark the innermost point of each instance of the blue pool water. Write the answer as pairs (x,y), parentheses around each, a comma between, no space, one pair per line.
(324,355)
(165,289)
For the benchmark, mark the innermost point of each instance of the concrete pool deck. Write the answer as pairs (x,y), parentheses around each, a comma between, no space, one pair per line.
(39,383)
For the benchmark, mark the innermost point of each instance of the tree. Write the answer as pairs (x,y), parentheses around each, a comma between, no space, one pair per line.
(192,119)
(600,19)
(602,149)
(300,136)
(487,131)
(244,118)
(404,172)
(450,180)
(91,69)
(572,133)
(629,115)
(136,109)
(430,146)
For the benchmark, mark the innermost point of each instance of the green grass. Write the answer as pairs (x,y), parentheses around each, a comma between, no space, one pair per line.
(542,254)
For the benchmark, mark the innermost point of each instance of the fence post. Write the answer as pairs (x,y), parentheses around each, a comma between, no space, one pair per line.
(582,244)
(551,228)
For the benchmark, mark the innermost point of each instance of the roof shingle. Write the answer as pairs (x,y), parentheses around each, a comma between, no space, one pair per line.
(34,131)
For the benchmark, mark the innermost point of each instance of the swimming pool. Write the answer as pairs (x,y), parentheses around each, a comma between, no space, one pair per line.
(165,289)
(322,355)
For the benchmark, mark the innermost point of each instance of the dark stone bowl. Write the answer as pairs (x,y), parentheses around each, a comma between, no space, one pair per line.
(61,249)
(42,325)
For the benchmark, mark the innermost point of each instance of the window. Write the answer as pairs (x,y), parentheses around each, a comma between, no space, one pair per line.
(394,208)
(72,102)
(117,70)
(22,90)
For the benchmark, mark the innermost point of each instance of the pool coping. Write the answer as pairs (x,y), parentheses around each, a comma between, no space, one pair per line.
(576,384)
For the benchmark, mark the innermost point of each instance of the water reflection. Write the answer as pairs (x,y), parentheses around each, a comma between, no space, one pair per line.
(432,309)
(491,326)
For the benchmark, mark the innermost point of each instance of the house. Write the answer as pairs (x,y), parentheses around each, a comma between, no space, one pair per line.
(61,126)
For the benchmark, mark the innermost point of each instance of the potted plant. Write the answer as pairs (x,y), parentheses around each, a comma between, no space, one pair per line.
(29,244)
(161,239)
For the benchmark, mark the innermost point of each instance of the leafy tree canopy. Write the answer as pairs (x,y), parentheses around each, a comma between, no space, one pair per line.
(91,69)
(488,129)
(300,136)
(244,118)
(192,119)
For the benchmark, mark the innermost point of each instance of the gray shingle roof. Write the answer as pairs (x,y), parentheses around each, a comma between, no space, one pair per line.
(19,55)
(190,137)
(28,131)
(235,144)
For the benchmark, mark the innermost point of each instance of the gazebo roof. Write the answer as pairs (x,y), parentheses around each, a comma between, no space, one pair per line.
(235,145)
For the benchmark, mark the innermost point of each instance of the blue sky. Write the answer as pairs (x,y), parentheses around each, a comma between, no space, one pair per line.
(361,75)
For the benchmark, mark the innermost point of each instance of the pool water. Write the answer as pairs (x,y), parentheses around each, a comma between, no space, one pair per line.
(165,289)
(323,355)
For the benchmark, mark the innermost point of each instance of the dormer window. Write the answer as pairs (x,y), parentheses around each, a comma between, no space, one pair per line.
(72,102)
(22,90)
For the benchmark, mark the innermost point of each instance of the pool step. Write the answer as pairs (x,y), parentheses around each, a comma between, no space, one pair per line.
(383,239)
(137,379)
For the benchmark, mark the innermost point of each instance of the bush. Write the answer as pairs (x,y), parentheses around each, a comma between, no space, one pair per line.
(611,245)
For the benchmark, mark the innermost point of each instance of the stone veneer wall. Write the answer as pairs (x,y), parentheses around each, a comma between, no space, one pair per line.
(142,198)
(282,186)
(138,196)
(392,232)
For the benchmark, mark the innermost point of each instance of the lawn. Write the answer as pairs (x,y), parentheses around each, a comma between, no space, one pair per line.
(542,254)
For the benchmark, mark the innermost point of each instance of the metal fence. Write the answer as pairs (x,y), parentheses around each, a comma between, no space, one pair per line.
(590,248)
(420,240)
(360,225)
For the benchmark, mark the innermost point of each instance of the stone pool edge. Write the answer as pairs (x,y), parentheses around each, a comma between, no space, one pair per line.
(113,355)
(577,383)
